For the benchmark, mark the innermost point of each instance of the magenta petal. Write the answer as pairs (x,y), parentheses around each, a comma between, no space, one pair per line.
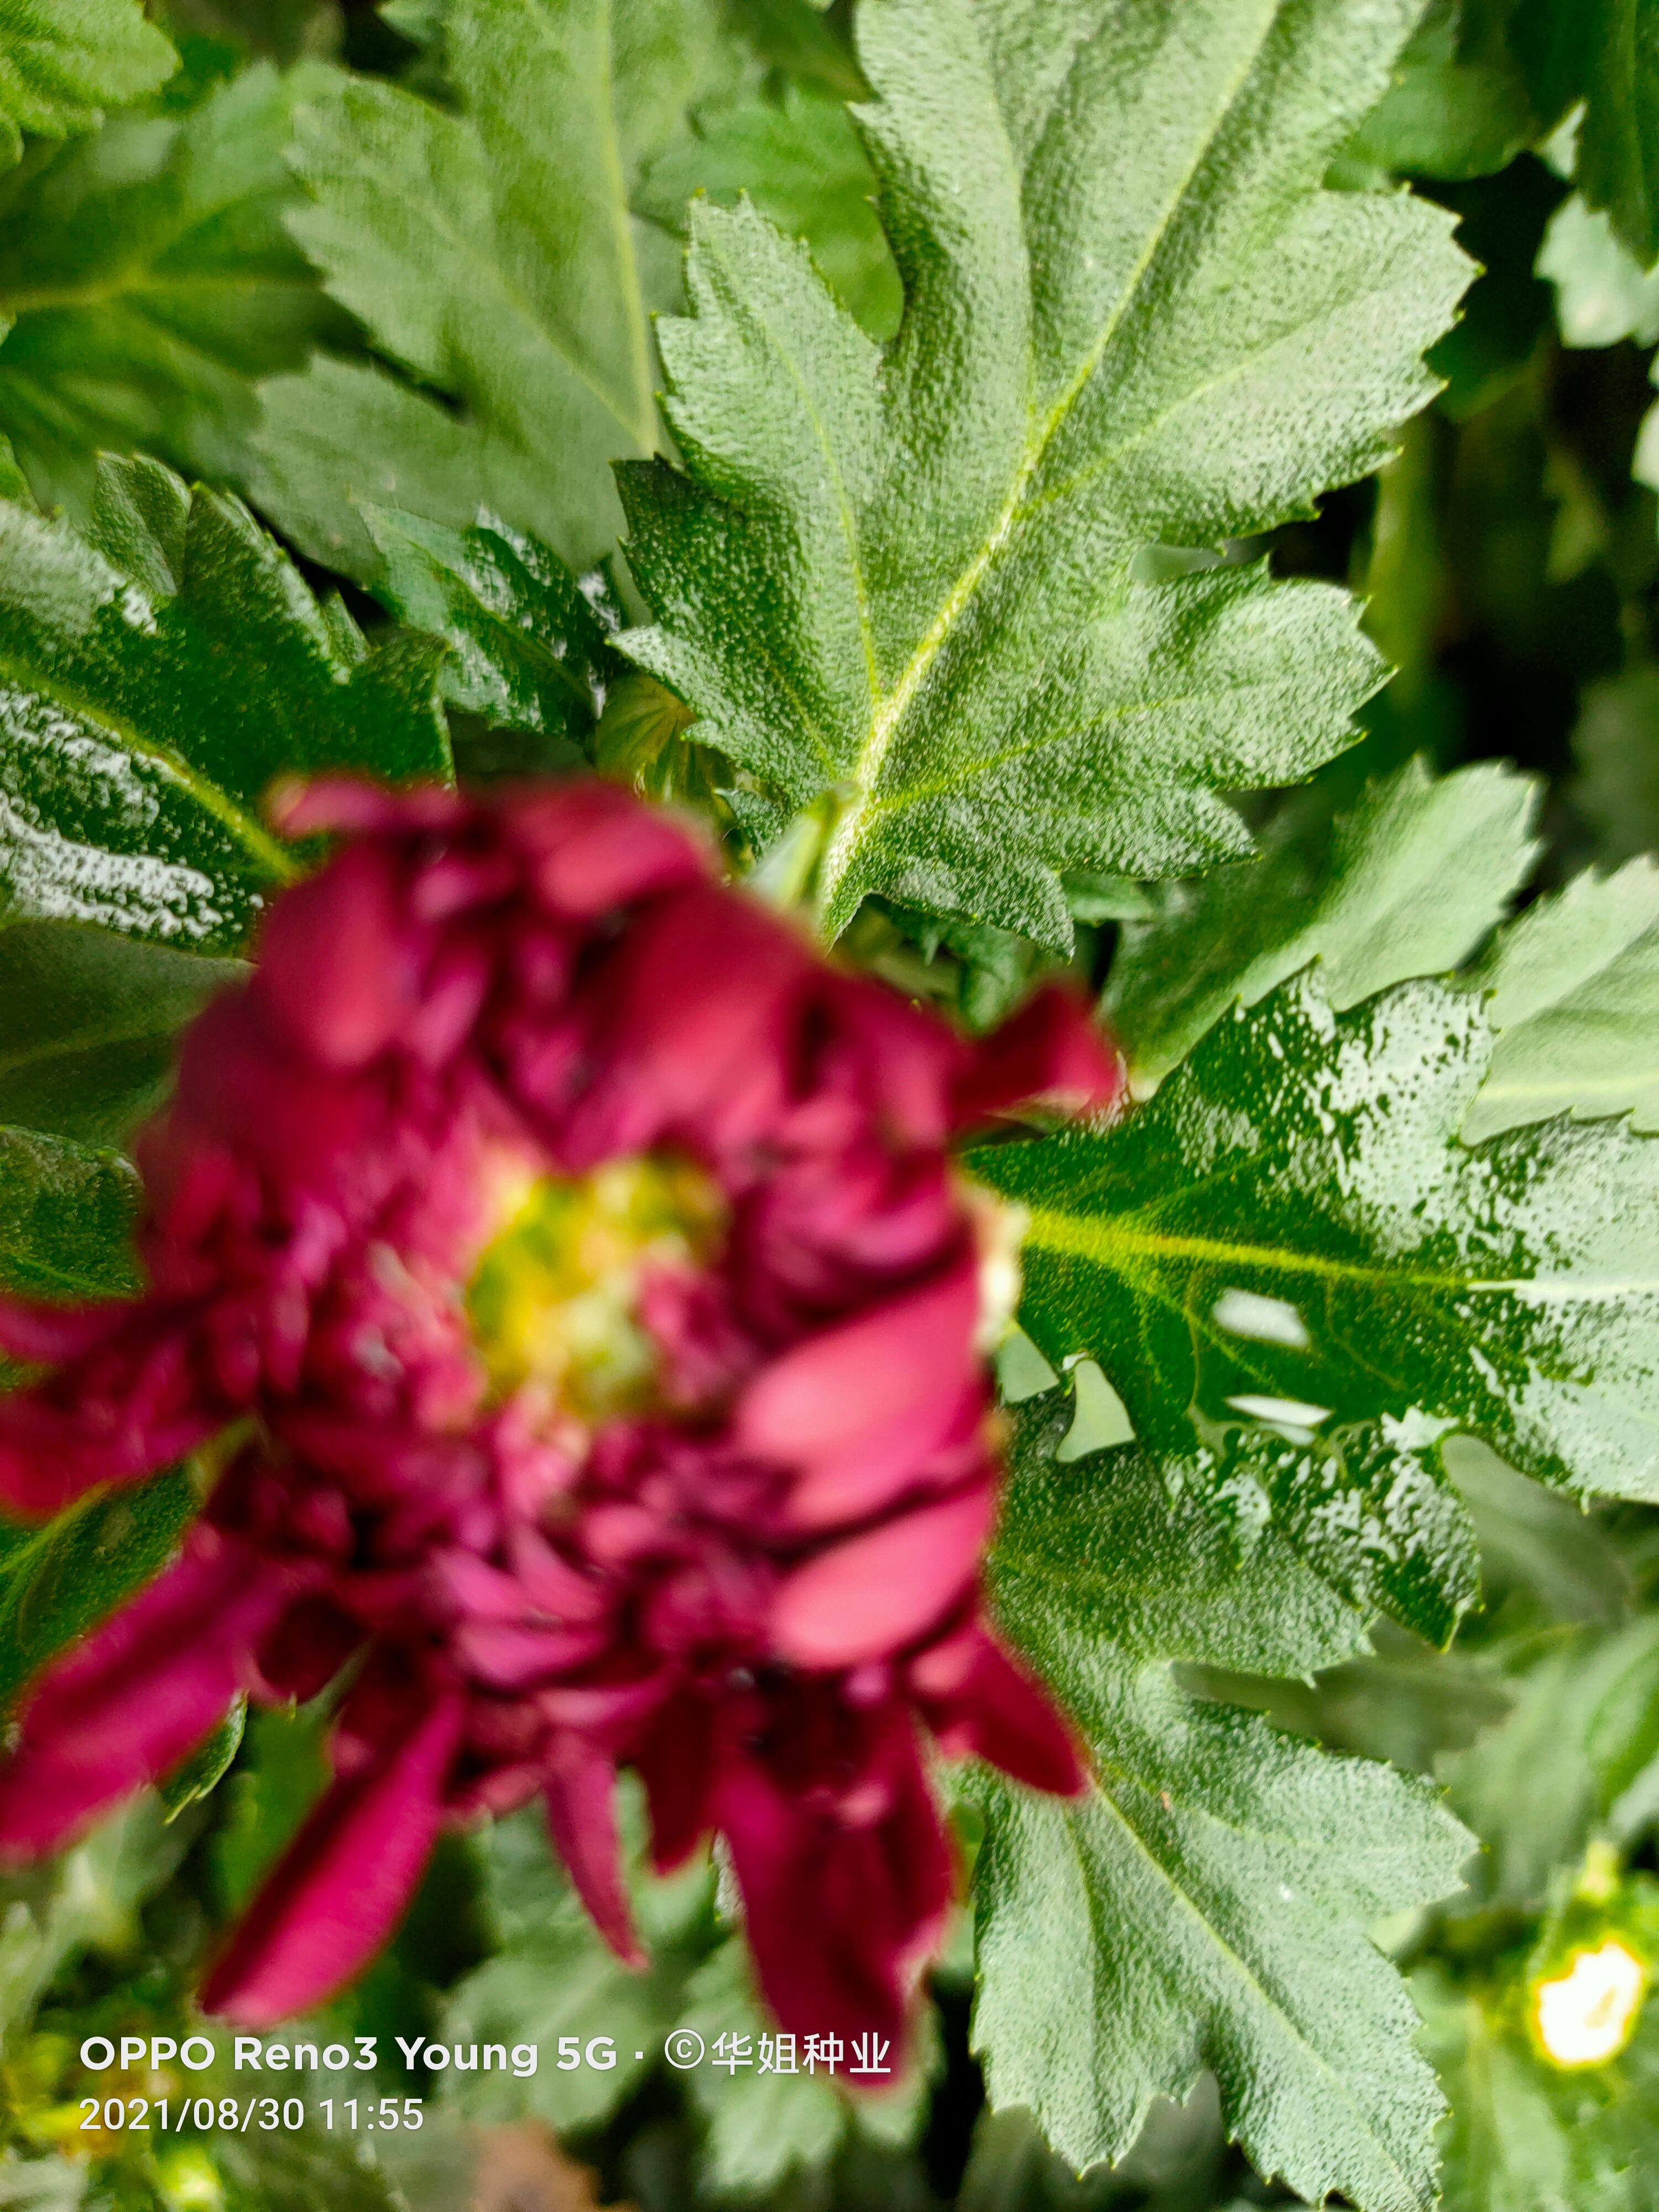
(508,1655)
(32,1329)
(50,1455)
(143,1690)
(299,808)
(860,1407)
(336,960)
(596,847)
(339,1891)
(840,1917)
(1049,1051)
(676,1761)
(581,1819)
(978,1700)
(876,1593)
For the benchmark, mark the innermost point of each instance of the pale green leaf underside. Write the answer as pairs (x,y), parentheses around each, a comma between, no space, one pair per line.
(1290,1258)
(553,1974)
(1603,293)
(1407,883)
(62,61)
(1224,1876)
(762,2128)
(904,580)
(1558,1769)
(1575,985)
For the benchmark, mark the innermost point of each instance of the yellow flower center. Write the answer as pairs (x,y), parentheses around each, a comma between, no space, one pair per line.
(1586,2016)
(554,1300)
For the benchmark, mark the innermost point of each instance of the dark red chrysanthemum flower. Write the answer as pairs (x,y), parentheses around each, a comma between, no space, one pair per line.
(571,1266)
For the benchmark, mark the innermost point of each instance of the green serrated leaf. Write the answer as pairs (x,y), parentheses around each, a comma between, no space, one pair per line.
(1206,1904)
(62,62)
(156,675)
(148,283)
(87,1024)
(1289,1258)
(555,1975)
(771,2120)
(763,2127)
(1407,883)
(1584,1728)
(1575,1000)
(207,1765)
(66,1216)
(1066,1553)
(1522,2138)
(1619,140)
(57,1580)
(902,588)
(300,2171)
(1450,112)
(798,159)
(490,251)
(530,644)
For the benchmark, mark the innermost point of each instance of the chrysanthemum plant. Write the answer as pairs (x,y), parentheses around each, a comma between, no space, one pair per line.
(550,1307)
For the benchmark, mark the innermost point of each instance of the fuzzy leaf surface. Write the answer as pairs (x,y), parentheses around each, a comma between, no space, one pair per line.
(768,2127)
(62,62)
(798,158)
(1289,1258)
(66,1216)
(1206,1904)
(491,251)
(150,283)
(529,643)
(901,586)
(1575,985)
(156,675)
(1407,883)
